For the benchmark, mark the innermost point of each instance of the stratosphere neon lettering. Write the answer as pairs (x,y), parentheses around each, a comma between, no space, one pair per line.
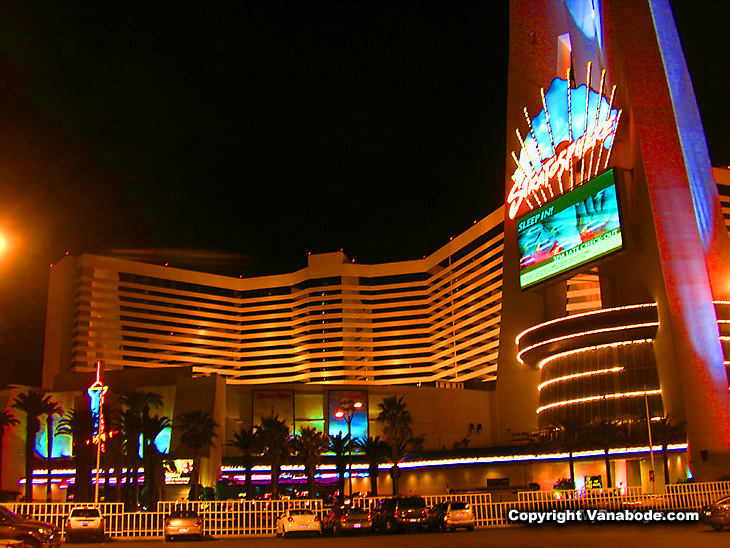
(557,165)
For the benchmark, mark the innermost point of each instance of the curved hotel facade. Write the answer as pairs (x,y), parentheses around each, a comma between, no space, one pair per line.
(430,322)
(598,291)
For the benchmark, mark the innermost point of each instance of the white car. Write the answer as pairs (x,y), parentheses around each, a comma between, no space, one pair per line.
(451,515)
(298,520)
(85,521)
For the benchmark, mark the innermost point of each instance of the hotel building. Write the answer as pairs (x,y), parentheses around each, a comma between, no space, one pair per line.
(597,291)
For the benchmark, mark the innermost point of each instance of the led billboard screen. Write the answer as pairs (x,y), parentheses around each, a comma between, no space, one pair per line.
(571,231)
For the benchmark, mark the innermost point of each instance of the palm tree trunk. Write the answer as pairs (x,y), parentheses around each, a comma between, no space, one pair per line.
(341,482)
(29,450)
(2,432)
(373,473)
(572,467)
(395,474)
(195,474)
(275,471)
(311,487)
(665,458)
(49,455)
(609,482)
(118,479)
(248,483)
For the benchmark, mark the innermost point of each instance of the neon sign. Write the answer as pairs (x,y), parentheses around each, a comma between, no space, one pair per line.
(568,142)
(96,393)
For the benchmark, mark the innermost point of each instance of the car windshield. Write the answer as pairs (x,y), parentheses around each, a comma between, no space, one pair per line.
(6,514)
(413,503)
(356,512)
(184,514)
(85,513)
(459,506)
(300,512)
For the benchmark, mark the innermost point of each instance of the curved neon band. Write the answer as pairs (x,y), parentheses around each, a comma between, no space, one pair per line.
(597,398)
(583,315)
(578,375)
(592,332)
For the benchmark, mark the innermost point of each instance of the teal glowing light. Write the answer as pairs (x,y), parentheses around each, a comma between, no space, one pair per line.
(560,101)
(61,445)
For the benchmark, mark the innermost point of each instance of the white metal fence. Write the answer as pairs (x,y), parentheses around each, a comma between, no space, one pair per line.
(258,517)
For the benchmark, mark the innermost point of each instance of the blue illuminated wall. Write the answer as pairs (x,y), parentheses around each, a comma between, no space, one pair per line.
(359,424)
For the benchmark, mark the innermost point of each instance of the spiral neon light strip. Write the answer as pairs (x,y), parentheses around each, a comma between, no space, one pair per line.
(581,334)
(597,398)
(583,315)
(547,360)
(578,375)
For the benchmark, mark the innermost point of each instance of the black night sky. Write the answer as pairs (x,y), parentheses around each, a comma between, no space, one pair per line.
(236,137)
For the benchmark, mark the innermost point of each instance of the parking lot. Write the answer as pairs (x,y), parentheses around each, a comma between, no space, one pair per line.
(630,536)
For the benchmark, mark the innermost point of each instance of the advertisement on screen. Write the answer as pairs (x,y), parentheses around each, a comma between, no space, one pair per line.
(570,231)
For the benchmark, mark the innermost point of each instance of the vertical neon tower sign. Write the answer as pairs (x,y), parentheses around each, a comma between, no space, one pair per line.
(567,143)
(96,394)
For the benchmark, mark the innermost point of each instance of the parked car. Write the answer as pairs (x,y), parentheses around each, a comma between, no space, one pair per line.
(398,513)
(85,522)
(183,523)
(452,514)
(344,519)
(35,534)
(717,514)
(298,520)
(10,543)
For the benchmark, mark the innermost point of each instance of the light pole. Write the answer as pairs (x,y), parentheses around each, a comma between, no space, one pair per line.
(347,410)
(96,394)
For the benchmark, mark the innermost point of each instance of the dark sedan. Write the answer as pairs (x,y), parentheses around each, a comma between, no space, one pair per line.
(35,534)
(717,514)
(344,519)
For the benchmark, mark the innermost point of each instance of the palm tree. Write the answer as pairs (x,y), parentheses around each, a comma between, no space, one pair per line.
(154,474)
(50,408)
(397,452)
(79,425)
(375,450)
(33,404)
(247,443)
(665,431)
(339,445)
(115,455)
(569,430)
(138,404)
(395,418)
(198,430)
(604,434)
(130,424)
(273,435)
(7,420)
(309,446)
(396,421)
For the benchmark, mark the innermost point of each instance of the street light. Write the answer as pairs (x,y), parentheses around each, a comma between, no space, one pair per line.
(347,410)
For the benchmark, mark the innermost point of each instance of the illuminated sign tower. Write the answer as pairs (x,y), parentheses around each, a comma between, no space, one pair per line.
(658,251)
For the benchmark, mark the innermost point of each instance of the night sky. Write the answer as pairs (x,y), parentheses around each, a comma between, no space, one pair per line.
(237,137)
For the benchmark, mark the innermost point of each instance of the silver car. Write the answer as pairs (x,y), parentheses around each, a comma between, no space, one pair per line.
(183,523)
(85,522)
